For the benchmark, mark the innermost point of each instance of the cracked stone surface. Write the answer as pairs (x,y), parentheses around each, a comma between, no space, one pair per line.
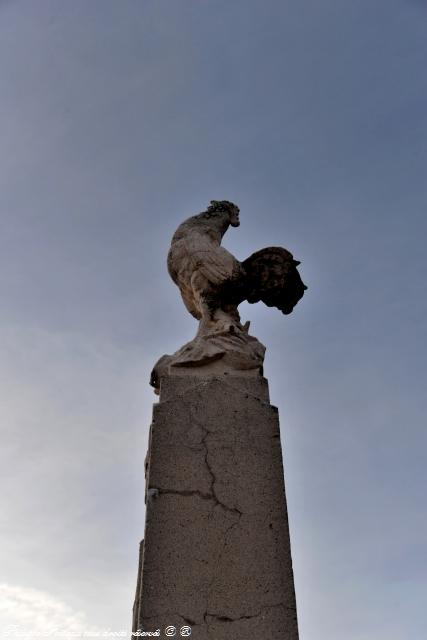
(216,554)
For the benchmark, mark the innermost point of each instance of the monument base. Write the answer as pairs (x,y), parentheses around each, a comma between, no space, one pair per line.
(216,556)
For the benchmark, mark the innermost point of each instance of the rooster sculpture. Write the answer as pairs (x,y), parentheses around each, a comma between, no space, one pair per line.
(213,282)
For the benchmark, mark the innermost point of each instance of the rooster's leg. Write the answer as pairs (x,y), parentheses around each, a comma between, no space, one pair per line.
(231,312)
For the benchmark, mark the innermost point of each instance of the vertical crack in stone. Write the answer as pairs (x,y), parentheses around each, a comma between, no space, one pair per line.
(214,479)
(218,565)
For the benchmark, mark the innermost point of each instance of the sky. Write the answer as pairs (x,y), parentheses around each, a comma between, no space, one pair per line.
(118,120)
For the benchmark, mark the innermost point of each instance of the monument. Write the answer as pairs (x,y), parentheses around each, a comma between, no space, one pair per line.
(215,562)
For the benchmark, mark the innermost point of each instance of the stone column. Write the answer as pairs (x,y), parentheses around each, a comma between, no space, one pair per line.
(216,555)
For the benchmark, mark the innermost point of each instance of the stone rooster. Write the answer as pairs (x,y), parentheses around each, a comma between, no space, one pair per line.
(213,283)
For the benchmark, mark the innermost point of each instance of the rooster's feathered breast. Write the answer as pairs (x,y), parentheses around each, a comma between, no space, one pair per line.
(200,266)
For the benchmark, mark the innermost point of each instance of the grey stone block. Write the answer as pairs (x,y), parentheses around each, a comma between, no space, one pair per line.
(216,554)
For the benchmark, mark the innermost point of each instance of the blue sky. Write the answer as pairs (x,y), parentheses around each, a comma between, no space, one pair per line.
(117,121)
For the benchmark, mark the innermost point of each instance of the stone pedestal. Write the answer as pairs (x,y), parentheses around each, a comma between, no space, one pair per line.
(216,556)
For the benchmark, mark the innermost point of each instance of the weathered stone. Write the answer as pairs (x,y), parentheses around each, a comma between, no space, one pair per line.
(216,554)
(213,283)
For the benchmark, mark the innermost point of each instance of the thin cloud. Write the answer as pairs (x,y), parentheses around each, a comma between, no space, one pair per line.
(36,614)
